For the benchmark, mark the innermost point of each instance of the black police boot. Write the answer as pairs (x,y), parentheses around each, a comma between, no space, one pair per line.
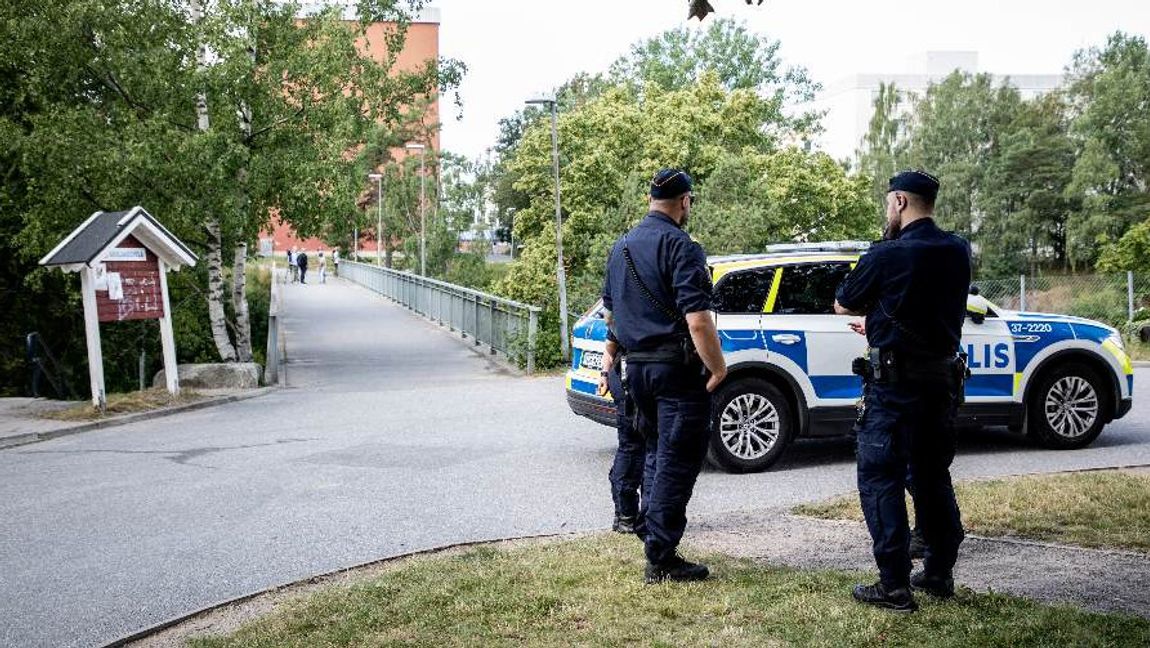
(937,586)
(895,600)
(624,524)
(917,545)
(675,569)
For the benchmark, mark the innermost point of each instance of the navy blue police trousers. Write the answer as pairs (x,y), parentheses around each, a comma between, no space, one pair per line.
(673,410)
(626,473)
(907,433)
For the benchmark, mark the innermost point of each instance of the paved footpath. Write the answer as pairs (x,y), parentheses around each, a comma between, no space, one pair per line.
(393,436)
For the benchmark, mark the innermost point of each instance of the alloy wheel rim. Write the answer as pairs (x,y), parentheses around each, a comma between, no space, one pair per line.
(749,426)
(1071,406)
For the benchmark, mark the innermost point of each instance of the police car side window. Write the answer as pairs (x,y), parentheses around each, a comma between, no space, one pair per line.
(809,289)
(743,292)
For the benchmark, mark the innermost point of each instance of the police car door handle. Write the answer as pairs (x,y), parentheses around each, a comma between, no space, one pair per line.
(786,338)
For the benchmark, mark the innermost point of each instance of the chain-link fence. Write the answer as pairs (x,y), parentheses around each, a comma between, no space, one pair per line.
(1112,298)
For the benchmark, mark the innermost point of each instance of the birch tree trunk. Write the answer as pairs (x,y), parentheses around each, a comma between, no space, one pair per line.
(216,315)
(240,304)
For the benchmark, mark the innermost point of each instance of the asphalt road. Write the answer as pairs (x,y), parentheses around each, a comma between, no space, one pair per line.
(392,437)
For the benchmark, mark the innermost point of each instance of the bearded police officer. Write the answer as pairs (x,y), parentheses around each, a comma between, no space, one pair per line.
(658,296)
(912,287)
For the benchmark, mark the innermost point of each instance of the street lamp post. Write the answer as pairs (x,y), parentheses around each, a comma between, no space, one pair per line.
(511,229)
(560,274)
(378,177)
(411,146)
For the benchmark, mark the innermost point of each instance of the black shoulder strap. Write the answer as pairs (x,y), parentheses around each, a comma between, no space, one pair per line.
(655,301)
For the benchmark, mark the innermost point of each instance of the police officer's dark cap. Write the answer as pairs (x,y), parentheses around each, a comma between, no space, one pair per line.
(670,183)
(919,183)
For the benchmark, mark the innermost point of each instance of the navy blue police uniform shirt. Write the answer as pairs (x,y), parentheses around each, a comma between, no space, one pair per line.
(913,290)
(674,269)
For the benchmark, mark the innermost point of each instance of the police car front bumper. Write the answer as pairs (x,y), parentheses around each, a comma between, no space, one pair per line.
(597,409)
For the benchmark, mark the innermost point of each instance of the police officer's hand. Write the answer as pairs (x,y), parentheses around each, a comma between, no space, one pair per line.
(715,379)
(602,389)
(858,326)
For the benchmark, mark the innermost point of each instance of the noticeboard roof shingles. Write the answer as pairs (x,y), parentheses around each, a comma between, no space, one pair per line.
(93,236)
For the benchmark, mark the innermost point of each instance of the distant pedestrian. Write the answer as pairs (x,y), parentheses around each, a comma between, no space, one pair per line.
(335,260)
(293,270)
(301,261)
(322,268)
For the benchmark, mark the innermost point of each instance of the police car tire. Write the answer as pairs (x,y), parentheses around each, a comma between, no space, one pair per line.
(719,454)
(1039,424)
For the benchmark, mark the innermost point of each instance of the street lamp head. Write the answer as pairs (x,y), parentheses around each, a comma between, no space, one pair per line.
(543,100)
(375,176)
(414,146)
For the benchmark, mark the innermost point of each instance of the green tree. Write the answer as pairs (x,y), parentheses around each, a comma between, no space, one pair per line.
(1110,91)
(753,191)
(1023,202)
(885,140)
(213,123)
(739,58)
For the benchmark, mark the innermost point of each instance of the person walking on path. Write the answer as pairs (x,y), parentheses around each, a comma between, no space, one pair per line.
(301,261)
(657,293)
(322,268)
(293,270)
(335,260)
(912,288)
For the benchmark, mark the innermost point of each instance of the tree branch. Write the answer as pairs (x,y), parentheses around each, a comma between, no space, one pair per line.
(275,124)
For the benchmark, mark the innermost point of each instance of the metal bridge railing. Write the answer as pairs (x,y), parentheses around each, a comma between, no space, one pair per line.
(505,326)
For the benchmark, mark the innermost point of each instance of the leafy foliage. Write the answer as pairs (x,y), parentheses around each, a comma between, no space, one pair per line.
(98,112)
(1056,182)
(675,100)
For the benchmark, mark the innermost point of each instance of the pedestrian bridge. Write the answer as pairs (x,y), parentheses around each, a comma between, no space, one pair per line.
(501,325)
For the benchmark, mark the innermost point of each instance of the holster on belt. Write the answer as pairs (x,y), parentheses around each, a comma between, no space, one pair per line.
(888,367)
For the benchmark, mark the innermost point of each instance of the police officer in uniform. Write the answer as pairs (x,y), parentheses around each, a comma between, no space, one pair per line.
(657,292)
(912,288)
(626,473)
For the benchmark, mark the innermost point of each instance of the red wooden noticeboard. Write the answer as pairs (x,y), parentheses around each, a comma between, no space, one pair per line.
(137,271)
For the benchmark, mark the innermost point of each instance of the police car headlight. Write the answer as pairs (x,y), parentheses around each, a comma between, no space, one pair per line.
(1117,340)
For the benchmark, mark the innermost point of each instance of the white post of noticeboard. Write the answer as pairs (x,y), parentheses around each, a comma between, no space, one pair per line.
(92,336)
(167,338)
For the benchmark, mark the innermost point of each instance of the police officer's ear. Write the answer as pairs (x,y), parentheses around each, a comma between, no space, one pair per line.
(900,201)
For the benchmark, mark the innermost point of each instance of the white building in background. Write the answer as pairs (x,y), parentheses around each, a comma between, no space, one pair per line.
(849,102)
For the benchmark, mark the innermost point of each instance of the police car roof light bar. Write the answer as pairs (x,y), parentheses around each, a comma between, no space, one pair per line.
(827,246)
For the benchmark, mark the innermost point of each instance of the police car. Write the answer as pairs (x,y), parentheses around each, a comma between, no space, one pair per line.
(1060,378)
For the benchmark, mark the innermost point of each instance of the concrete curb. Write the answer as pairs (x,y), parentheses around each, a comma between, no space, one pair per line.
(1141,363)
(36,437)
(177,620)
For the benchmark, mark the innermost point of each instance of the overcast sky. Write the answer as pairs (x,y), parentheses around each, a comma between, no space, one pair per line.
(515,49)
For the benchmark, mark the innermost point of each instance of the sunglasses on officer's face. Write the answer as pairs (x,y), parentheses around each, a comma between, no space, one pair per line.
(692,198)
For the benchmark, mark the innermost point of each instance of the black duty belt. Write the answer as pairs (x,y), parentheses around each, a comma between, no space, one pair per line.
(676,352)
(884,366)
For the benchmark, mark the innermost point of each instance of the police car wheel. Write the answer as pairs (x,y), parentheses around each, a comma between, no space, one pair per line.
(751,425)
(1068,408)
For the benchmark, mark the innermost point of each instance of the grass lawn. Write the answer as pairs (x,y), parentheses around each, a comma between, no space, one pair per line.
(137,401)
(1090,509)
(590,592)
